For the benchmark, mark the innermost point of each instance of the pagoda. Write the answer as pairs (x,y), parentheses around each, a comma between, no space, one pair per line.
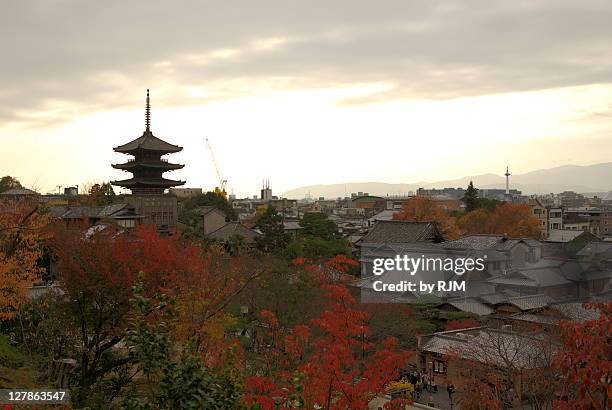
(147,165)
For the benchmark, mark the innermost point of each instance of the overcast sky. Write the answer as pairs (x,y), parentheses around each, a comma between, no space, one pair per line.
(305,92)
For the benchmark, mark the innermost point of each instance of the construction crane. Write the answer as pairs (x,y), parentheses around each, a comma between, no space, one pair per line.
(220,189)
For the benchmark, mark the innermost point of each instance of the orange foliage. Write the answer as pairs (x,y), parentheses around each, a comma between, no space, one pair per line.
(586,362)
(513,220)
(422,208)
(21,226)
(336,366)
(103,267)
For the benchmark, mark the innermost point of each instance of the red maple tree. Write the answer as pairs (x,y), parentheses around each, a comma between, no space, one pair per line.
(585,362)
(330,362)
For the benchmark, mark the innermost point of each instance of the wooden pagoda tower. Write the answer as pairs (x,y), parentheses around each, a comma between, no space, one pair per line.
(147,165)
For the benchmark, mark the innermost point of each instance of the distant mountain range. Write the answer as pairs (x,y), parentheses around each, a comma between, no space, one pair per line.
(584,179)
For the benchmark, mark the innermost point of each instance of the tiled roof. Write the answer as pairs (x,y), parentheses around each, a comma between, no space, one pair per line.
(546,276)
(483,242)
(19,191)
(130,165)
(232,229)
(495,298)
(204,210)
(531,302)
(534,318)
(576,311)
(111,209)
(489,346)
(58,210)
(513,280)
(595,248)
(148,142)
(292,225)
(155,182)
(402,232)
(83,211)
(386,215)
(563,235)
(471,305)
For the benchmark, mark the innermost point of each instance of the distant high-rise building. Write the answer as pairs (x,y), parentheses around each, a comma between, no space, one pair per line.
(147,166)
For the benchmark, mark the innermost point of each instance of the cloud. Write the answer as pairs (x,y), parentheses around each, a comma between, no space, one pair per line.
(102,55)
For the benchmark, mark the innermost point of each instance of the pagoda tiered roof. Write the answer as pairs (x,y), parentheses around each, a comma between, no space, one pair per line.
(147,142)
(147,166)
(147,182)
(133,164)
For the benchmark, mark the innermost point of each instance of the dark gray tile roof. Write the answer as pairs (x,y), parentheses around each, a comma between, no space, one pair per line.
(19,191)
(232,229)
(58,210)
(471,305)
(576,311)
(292,225)
(110,210)
(546,276)
(402,232)
(134,182)
(482,242)
(563,235)
(148,142)
(489,346)
(534,318)
(203,210)
(84,211)
(495,298)
(531,302)
(513,280)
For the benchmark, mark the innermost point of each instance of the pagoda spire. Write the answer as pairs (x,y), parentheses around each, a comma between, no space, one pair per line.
(148,113)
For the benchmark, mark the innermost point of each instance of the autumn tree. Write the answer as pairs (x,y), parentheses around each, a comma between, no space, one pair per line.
(585,362)
(171,372)
(422,208)
(329,363)
(102,193)
(97,270)
(21,232)
(513,220)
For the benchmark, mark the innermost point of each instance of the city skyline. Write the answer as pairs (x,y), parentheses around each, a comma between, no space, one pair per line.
(394,92)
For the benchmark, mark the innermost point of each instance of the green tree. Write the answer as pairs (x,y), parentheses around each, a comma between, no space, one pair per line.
(314,247)
(488,204)
(470,198)
(208,199)
(8,182)
(274,238)
(173,376)
(319,225)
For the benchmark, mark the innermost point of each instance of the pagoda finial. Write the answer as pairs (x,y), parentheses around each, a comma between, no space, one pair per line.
(148,113)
